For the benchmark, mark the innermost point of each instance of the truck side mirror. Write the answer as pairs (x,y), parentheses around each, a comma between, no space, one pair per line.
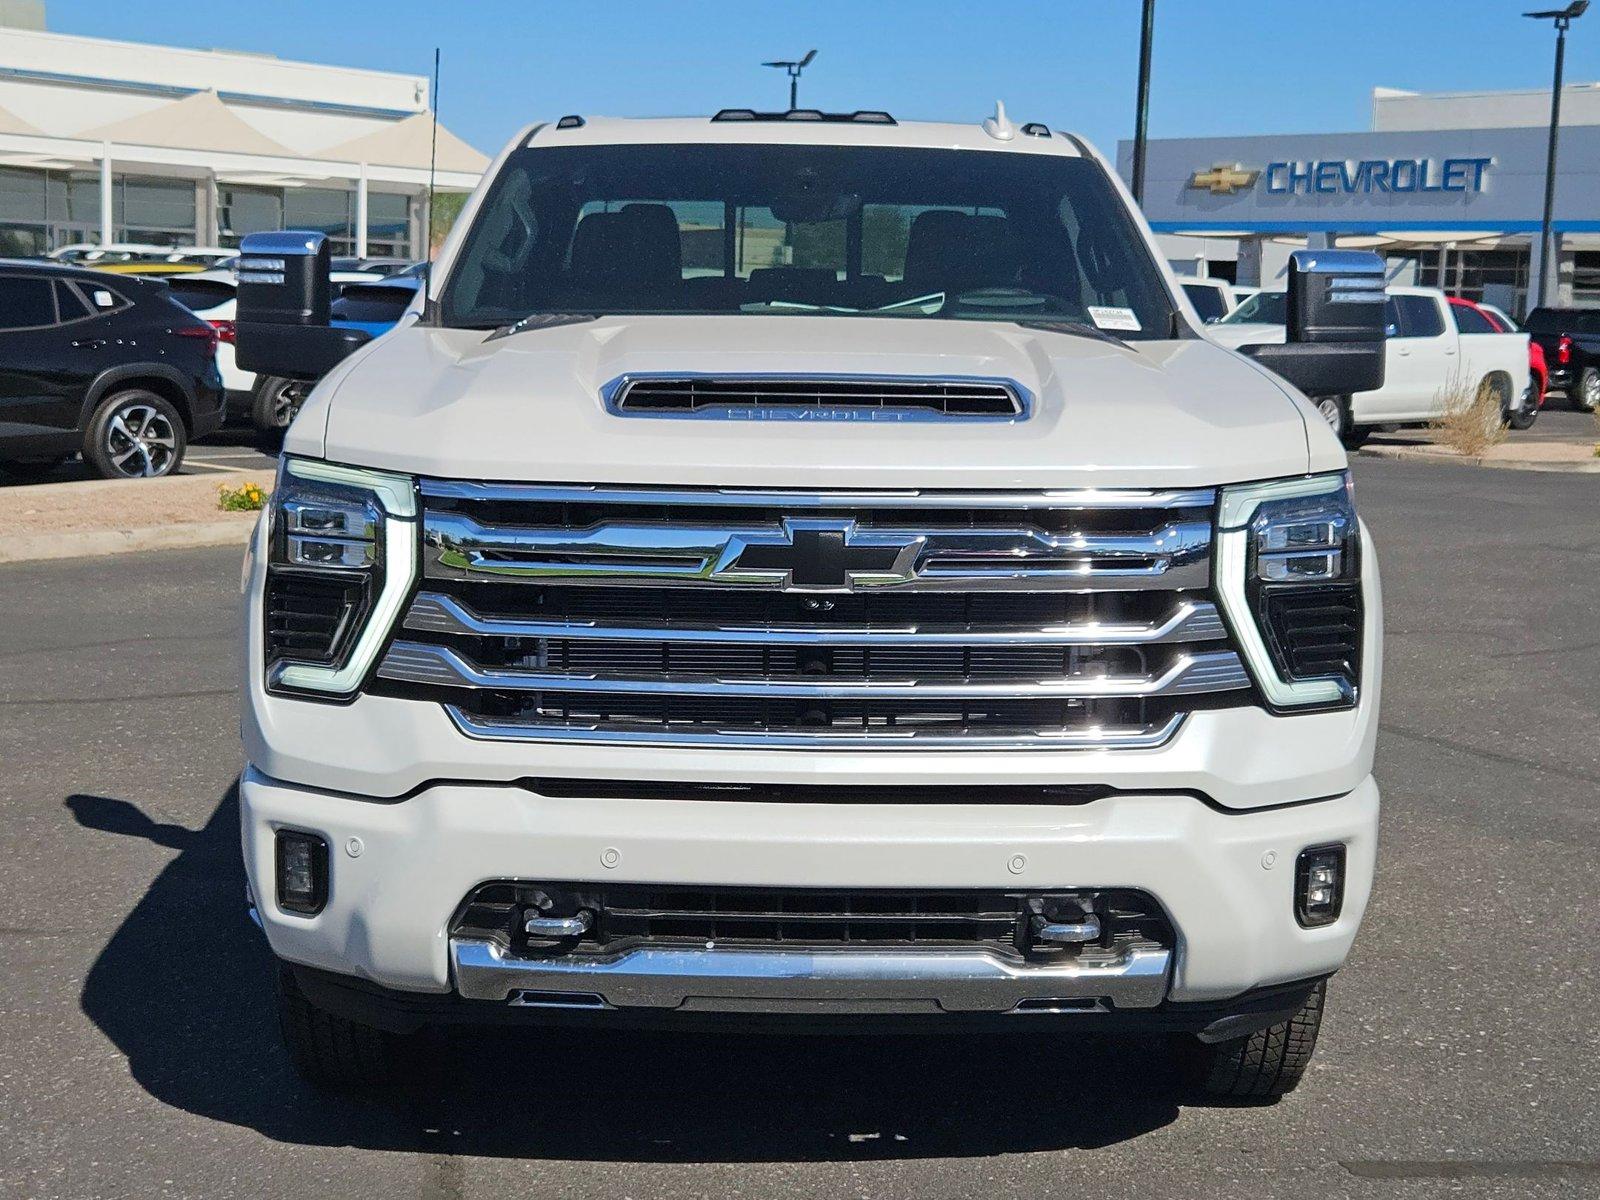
(284,300)
(1335,324)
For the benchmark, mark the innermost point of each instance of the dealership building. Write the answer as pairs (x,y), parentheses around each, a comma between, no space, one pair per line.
(1449,187)
(104,141)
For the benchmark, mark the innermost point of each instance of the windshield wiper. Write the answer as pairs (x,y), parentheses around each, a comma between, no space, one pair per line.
(932,302)
(539,320)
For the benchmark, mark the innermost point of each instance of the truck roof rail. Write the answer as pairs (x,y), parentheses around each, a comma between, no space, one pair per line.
(859,117)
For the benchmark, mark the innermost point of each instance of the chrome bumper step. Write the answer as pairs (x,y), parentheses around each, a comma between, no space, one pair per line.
(813,981)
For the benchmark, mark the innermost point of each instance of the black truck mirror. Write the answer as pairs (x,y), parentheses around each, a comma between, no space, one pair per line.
(1334,336)
(284,301)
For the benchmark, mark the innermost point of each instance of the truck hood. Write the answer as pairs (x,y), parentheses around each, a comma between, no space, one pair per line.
(446,402)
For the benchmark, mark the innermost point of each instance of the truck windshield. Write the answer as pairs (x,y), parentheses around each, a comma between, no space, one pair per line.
(824,230)
(1264,308)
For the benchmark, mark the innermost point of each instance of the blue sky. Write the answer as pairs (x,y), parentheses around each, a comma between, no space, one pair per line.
(1221,66)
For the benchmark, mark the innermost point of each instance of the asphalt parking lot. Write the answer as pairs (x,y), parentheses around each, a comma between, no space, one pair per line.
(227,450)
(1460,1057)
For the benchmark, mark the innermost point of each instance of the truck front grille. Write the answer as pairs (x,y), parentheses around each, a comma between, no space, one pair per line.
(753,618)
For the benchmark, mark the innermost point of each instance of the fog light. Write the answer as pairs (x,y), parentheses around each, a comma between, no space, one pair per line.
(1319,885)
(302,872)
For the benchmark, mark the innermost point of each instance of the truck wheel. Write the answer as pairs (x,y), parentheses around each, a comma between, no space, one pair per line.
(1526,415)
(1265,1064)
(1586,396)
(1335,410)
(330,1051)
(135,434)
(273,404)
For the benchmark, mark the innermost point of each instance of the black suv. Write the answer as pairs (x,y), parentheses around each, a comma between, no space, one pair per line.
(109,366)
(1570,339)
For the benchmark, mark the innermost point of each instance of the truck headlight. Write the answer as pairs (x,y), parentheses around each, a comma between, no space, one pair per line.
(342,554)
(1288,567)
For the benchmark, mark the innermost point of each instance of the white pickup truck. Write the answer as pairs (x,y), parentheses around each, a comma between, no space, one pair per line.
(1430,363)
(802,567)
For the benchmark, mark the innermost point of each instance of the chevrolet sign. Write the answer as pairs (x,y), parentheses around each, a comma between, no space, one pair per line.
(1224,179)
(1368,175)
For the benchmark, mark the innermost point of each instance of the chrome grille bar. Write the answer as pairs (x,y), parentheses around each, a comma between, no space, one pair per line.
(1172,556)
(1087,737)
(1189,621)
(1073,499)
(424,663)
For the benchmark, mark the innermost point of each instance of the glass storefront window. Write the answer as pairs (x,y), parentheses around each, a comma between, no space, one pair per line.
(42,210)
(388,224)
(23,241)
(73,198)
(242,210)
(1499,276)
(1585,277)
(164,207)
(332,212)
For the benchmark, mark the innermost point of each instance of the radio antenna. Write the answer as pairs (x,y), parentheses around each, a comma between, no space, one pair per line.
(433,157)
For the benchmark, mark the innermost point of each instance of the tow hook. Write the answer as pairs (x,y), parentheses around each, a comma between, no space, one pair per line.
(1061,921)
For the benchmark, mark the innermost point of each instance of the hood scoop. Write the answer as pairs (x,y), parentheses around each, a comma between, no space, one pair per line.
(818,398)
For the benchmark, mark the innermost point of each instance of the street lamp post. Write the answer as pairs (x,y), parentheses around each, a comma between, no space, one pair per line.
(793,68)
(1562,17)
(1141,118)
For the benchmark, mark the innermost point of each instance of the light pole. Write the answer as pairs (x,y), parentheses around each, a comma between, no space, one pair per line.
(1562,18)
(1141,118)
(794,69)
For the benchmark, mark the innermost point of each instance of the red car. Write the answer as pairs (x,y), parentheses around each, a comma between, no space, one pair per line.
(1499,322)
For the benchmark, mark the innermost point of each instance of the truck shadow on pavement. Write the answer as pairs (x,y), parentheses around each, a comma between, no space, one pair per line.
(184,990)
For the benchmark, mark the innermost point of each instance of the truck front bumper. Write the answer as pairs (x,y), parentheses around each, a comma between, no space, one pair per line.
(399,871)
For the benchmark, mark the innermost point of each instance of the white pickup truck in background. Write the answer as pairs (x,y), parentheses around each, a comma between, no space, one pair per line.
(1430,363)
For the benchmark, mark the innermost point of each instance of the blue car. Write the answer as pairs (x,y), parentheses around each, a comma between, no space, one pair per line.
(374,307)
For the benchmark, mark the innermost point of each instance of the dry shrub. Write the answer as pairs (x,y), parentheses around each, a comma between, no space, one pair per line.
(1470,420)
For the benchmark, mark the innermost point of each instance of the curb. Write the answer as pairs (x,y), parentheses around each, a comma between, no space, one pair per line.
(1419,454)
(38,547)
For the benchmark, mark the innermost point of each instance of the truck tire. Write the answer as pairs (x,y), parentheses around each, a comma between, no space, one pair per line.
(1586,396)
(273,404)
(1524,415)
(1335,410)
(135,434)
(330,1051)
(1266,1064)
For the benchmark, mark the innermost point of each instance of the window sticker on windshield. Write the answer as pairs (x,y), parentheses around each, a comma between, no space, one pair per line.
(102,298)
(1114,318)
